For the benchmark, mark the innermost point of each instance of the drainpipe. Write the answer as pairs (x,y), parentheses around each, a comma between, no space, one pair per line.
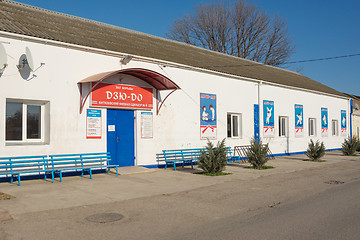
(260,110)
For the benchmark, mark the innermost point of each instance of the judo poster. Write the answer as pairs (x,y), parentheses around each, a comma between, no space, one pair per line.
(324,122)
(299,124)
(208,126)
(269,123)
(343,123)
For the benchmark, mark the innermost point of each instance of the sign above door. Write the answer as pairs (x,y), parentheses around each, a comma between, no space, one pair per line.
(121,96)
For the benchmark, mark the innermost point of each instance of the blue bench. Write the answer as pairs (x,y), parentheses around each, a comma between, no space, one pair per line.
(230,155)
(17,166)
(85,162)
(182,156)
(185,156)
(54,164)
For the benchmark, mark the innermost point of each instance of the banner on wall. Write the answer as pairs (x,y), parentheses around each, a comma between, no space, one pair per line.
(208,120)
(299,123)
(343,123)
(93,124)
(121,96)
(324,122)
(269,123)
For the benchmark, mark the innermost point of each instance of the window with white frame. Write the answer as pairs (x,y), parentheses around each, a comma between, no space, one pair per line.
(335,128)
(283,126)
(234,125)
(25,121)
(312,127)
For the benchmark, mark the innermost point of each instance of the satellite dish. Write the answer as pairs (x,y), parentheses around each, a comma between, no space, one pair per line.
(29,59)
(3,58)
(356,106)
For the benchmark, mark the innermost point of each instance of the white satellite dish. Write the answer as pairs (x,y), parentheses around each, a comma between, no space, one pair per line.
(29,59)
(356,106)
(3,58)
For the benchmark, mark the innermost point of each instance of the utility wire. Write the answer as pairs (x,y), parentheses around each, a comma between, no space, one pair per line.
(322,59)
(292,62)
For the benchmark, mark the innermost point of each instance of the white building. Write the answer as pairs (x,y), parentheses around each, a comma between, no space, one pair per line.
(355,116)
(72,85)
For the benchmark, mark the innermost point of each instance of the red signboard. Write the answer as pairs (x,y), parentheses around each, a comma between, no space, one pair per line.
(121,96)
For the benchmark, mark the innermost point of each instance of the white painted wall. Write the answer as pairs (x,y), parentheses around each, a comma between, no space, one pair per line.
(178,123)
(356,123)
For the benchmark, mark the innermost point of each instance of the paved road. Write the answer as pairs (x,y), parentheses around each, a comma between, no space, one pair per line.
(281,204)
(331,214)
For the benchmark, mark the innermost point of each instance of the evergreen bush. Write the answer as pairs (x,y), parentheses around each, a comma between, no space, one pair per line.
(257,153)
(213,159)
(315,151)
(349,146)
(358,145)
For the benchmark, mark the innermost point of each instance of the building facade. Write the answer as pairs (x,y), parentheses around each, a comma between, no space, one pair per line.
(76,89)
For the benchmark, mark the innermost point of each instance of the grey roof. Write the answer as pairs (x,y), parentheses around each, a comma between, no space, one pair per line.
(36,22)
(356,99)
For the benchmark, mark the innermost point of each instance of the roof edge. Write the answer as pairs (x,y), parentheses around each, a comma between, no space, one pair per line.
(144,34)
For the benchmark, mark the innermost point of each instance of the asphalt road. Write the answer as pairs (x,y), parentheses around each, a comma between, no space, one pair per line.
(331,214)
(295,204)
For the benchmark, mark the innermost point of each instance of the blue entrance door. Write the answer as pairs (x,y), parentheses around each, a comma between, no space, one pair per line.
(120,137)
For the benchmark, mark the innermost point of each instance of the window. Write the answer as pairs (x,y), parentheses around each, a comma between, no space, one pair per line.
(283,129)
(312,127)
(233,125)
(335,128)
(25,121)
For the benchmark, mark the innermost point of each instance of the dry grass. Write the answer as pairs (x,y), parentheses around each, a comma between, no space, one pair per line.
(4,196)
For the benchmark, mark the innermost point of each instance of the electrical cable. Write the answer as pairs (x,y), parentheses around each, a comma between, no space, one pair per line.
(291,62)
(322,59)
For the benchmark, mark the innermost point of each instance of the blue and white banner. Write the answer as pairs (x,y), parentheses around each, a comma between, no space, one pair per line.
(324,122)
(343,123)
(208,119)
(299,123)
(269,123)
(93,124)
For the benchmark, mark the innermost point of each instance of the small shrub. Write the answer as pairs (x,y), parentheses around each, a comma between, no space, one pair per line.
(315,151)
(213,159)
(257,154)
(358,145)
(349,146)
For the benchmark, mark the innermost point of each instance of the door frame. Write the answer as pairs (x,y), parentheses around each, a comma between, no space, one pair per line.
(134,130)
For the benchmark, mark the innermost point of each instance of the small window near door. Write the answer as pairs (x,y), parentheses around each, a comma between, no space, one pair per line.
(234,125)
(24,121)
(312,127)
(283,127)
(335,128)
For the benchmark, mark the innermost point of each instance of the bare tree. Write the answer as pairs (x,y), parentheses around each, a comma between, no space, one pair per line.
(236,28)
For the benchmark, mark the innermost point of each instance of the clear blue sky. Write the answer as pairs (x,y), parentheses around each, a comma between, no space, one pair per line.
(318,28)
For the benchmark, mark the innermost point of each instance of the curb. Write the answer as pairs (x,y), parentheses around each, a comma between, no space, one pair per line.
(132,170)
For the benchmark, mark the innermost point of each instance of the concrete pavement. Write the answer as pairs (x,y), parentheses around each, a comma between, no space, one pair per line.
(164,203)
(37,195)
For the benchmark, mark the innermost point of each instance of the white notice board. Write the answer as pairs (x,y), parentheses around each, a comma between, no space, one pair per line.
(146,125)
(93,123)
